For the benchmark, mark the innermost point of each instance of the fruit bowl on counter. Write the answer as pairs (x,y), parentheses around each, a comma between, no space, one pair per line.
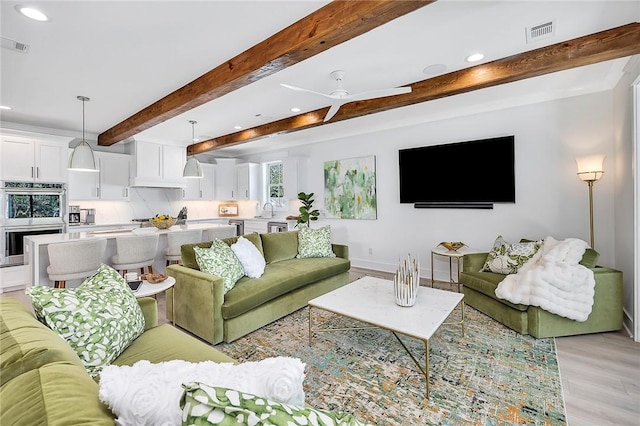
(162,221)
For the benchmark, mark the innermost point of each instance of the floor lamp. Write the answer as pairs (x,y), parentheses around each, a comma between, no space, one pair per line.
(590,170)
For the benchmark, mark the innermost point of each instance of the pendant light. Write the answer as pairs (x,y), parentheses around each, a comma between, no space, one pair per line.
(192,169)
(82,158)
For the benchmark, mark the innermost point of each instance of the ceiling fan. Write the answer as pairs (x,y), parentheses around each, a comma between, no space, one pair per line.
(341,96)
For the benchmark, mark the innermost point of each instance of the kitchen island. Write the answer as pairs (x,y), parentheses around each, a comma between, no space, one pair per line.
(37,256)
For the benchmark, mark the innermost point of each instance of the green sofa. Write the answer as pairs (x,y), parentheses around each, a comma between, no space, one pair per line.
(288,283)
(479,292)
(43,382)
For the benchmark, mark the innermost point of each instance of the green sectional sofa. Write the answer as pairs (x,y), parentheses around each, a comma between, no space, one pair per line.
(288,283)
(43,382)
(479,292)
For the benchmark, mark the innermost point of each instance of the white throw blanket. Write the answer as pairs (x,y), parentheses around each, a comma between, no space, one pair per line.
(554,280)
(149,394)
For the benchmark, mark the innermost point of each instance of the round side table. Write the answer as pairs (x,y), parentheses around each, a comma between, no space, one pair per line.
(451,255)
(148,289)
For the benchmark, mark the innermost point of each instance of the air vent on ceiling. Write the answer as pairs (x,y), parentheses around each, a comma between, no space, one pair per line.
(17,46)
(541,31)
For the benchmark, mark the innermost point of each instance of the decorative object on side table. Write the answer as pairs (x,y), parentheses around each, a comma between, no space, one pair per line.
(452,245)
(406,282)
(306,214)
(153,278)
(162,221)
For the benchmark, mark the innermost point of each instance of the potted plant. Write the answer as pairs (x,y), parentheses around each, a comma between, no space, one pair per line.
(306,212)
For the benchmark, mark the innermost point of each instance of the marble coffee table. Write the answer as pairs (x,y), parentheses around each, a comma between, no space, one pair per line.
(371,300)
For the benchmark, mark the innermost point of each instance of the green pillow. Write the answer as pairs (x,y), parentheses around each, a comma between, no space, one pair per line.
(207,405)
(220,260)
(506,258)
(99,319)
(315,242)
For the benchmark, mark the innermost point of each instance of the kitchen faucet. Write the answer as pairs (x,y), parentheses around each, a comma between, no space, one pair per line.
(268,204)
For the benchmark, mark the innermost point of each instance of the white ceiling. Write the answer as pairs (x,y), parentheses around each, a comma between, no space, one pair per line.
(125,55)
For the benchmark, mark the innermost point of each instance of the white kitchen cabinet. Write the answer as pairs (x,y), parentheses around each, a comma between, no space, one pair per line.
(201,189)
(158,165)
(225,181)
(114,175)
(34,160)
(248,181)
(111,183)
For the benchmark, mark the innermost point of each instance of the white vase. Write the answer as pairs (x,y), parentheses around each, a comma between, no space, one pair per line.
(406,282)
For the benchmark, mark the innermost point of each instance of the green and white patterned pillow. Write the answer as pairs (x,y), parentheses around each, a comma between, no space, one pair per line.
(207,405)
(505,258)
(99,319)
(220,260)
(315,242)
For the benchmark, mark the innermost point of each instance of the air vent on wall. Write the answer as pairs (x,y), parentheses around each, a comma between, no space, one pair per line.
(541,31)
(14,45)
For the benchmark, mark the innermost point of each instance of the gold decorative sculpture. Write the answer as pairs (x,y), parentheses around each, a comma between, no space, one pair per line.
(452,245)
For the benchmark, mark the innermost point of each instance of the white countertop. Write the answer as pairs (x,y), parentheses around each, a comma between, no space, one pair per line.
(77,236)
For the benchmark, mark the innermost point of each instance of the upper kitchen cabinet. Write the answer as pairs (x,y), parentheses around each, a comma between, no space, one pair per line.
(201,189)
(248,181)
(111,183)
(114,175)
(34,160)
(293,176)
(158,165)
(225,182)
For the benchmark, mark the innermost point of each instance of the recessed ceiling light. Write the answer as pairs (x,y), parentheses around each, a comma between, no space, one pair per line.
(475,57)
(4,107)
(32,13)
(295,109)
(237,127)
(435,69)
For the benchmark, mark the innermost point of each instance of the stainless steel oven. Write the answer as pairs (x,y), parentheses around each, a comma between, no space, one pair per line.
(28,208)
(12,241)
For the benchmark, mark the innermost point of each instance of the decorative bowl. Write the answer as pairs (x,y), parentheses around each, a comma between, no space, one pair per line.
(162,223)
(452,245)
(154,278)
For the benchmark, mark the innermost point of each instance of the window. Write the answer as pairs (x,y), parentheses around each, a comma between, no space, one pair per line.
(275,184)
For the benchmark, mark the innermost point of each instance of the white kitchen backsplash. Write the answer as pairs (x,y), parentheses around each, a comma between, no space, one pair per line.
(147,202)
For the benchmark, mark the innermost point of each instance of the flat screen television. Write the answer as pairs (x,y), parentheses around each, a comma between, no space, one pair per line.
(472,174)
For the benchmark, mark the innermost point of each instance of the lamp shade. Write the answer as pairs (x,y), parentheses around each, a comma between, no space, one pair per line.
(192,169)
(591,167)
(82,158)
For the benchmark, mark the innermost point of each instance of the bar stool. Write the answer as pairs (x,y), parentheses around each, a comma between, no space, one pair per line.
(74,260)
(175,239)
(133,252)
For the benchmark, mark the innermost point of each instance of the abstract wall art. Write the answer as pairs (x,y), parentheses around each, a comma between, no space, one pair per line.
(350,188)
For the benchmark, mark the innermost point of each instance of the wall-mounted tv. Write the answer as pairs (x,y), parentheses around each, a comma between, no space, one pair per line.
(472,174)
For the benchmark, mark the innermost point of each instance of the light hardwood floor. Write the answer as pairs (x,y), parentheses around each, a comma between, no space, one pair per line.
(600,373)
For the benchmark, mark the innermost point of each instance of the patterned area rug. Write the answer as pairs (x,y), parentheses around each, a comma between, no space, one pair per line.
(491,376)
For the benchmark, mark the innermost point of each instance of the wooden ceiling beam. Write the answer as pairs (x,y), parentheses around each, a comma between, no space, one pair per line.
(335,23)
(607,45)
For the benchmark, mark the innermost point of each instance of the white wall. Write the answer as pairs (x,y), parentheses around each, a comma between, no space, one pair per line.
(550,199)
(625,254)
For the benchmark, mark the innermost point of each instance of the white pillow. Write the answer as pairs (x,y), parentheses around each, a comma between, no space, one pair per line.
(149,394)
(252,261)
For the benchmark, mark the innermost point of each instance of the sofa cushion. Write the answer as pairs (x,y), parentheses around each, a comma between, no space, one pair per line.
(252,260)
(26,344)
(207,405)
(220,260)
(279,278)
(486,283)
(99,319)
(506,258)
(189,256)
(165,343)
(280,246)
(315,242)
(54,394)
